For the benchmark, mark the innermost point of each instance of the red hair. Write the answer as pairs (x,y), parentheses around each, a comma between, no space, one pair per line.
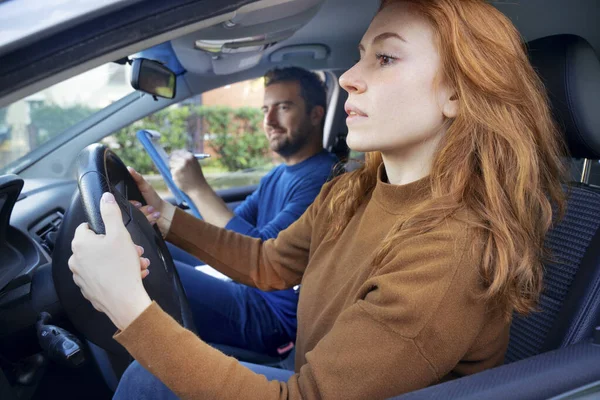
(500,158)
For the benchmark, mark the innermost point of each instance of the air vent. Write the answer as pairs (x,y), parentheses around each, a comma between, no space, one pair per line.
(45,231)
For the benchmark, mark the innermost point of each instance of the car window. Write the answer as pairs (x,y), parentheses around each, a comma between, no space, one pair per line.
(37,119)
(225,123)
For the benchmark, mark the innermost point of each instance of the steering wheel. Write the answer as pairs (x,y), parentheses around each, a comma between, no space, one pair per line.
(99,171)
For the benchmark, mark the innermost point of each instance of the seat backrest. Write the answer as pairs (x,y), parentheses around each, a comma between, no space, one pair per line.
(570,303)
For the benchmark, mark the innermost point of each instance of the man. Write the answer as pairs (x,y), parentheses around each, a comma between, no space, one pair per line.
(226,312)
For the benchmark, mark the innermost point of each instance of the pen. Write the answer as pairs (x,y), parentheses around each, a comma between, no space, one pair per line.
(201,156)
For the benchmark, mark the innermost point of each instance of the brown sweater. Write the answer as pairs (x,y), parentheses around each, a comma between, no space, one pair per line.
(363,333)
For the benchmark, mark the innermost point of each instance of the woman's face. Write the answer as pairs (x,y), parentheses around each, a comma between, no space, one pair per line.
(393,105)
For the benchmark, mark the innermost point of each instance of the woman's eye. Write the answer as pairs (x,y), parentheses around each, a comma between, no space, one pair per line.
(385,59)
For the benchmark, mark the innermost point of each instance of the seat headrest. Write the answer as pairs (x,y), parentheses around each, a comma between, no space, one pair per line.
(570,69)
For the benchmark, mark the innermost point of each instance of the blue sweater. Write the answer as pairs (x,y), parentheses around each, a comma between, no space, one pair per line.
(280,199)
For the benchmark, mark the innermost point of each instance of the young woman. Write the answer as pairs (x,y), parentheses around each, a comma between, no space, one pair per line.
(411,266)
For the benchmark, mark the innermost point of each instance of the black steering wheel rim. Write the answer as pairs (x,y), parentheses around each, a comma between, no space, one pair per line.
(101,170)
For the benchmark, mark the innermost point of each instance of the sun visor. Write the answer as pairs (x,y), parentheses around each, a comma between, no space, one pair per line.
(240,42)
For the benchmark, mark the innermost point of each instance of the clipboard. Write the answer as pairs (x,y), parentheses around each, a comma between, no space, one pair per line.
(151,141)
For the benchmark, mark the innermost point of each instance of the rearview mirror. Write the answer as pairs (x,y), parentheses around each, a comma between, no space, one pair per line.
(153,78)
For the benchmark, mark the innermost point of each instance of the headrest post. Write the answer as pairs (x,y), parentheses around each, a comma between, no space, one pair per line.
(585,172)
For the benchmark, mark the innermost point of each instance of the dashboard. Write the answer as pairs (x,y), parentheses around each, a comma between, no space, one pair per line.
(27,248)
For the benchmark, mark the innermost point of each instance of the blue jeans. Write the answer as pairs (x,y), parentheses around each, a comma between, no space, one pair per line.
(232,314)
(137,383)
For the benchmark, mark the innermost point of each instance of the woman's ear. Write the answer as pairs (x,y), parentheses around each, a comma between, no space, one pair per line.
(450,108)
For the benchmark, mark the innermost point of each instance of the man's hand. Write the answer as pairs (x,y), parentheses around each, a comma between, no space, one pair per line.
(186,171)
(188,176)
(107,267)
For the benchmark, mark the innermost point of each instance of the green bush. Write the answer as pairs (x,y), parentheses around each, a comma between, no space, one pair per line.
(235,134)
(172,125)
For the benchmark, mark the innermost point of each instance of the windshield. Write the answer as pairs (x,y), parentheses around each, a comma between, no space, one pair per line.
(29,123)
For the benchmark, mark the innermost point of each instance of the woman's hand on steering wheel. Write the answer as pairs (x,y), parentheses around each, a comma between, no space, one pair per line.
(149,211)
(157,210)
(106,267)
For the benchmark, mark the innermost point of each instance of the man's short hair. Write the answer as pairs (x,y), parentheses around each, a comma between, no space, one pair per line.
(312,88)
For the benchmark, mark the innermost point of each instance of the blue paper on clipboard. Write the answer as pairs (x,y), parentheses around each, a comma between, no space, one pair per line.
(151,142)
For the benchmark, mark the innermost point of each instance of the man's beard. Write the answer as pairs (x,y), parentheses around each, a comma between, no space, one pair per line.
(288,145)
(285,146)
